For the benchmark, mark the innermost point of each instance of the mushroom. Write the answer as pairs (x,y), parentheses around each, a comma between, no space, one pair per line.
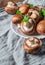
(16,18)
(28,27)
(24,8)
(41,27)
(39,7)
(34,14)
(11,7)
(32,44)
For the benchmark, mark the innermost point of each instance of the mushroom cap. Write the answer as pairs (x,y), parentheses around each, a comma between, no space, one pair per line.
(34,14)
(28,27)
(24,8)
(11,3)
(10,10)
(39,7)
(41,27)
(32,44)
(11,7)
(17,18)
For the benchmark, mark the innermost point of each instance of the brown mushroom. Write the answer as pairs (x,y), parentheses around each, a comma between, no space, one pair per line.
(11,7)
(34,14)
(39,7)
(41,27)
(32,44)
(16,18)
(28,27)
(24,8)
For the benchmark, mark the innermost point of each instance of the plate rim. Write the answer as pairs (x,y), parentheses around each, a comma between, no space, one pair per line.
(25,36)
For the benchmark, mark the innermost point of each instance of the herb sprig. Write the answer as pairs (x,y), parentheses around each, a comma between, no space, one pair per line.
(42,12)
(31,5)
(25,18)
(18,12)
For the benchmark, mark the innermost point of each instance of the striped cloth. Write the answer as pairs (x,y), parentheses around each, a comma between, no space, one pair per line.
(11,45)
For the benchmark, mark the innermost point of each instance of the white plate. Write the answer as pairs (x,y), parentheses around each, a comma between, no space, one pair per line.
(18,32)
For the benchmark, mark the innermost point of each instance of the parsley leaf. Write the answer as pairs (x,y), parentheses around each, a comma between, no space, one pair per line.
(42,12)
(25,19)
(31,5)
(18,12)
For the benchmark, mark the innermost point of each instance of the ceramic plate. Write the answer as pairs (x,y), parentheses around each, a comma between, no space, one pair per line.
(18,32)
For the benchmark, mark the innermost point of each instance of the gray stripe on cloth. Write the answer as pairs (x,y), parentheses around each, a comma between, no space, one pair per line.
(7,47)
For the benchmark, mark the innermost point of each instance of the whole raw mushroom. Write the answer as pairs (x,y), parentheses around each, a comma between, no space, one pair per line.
(17,18)
(11,7)
(41,27)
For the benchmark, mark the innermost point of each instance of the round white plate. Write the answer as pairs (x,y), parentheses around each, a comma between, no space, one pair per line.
(18,32)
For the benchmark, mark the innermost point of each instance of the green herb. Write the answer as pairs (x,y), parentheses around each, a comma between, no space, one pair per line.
(18,12)
(31,5)
(42,12)
(25,19)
